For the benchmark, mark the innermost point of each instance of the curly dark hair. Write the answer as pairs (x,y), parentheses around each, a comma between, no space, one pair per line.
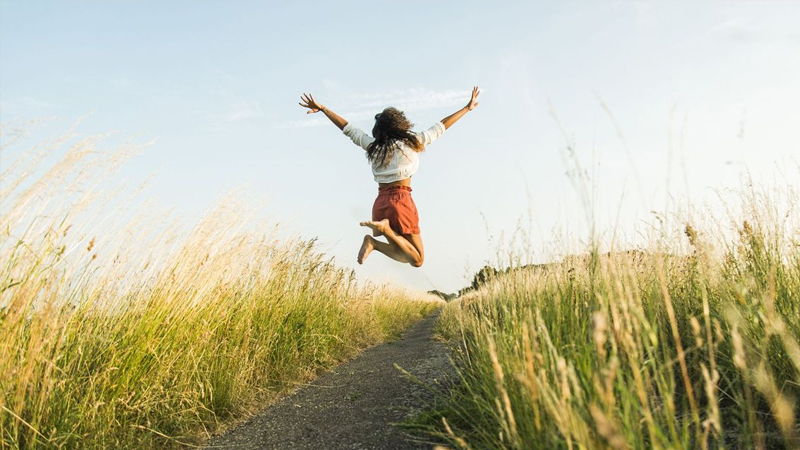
(391,126)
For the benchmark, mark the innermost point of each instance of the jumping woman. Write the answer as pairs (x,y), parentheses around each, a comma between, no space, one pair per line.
(392,150)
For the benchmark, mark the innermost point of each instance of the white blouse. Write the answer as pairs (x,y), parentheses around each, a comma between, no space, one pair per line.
(404,161)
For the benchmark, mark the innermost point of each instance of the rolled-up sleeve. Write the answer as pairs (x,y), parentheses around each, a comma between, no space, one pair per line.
(358,137)
(431,134)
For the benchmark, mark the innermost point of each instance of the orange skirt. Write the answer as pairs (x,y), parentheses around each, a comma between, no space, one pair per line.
(395,203)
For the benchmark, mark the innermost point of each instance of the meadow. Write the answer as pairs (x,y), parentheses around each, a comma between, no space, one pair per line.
(123,327)
(688,342)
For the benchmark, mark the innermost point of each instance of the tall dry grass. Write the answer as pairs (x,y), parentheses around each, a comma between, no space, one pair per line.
(122,328)
(691,343)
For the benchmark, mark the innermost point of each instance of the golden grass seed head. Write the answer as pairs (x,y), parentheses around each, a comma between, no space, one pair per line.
(747,229)
(564,376)
(738,349)
(691,233)
(607,429)
(600,331)
(696,331)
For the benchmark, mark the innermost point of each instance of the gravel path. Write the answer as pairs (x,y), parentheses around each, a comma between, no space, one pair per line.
(357,404)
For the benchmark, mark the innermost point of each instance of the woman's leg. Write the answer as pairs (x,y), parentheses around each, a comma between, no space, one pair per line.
(416,241)
(370,243)
(399,248)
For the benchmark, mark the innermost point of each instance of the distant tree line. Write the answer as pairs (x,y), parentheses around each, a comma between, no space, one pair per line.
(479,279)
(487,273)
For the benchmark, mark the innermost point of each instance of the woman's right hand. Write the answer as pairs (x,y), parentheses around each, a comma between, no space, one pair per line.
(312,105)
(473,102)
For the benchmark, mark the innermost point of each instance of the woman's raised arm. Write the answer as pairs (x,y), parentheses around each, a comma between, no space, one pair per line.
(453,118)
(314,107)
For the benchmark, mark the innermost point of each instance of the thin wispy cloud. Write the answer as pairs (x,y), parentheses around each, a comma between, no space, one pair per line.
(310,122)
(742,30)
(28,106)
(414,99)
(234,112)
(365,105)
(243,110)
(736,29)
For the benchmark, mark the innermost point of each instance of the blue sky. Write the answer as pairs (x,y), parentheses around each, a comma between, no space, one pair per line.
(658,99)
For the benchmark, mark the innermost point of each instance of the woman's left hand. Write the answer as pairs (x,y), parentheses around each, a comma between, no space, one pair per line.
(473,102)
(308,102)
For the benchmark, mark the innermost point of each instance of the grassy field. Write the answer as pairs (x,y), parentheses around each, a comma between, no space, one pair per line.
(123,329)
(691,343)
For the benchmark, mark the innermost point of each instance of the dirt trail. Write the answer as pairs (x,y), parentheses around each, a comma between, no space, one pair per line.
(355,405)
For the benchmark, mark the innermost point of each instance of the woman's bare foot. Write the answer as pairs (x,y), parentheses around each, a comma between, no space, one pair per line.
(366,248)
(379,227)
